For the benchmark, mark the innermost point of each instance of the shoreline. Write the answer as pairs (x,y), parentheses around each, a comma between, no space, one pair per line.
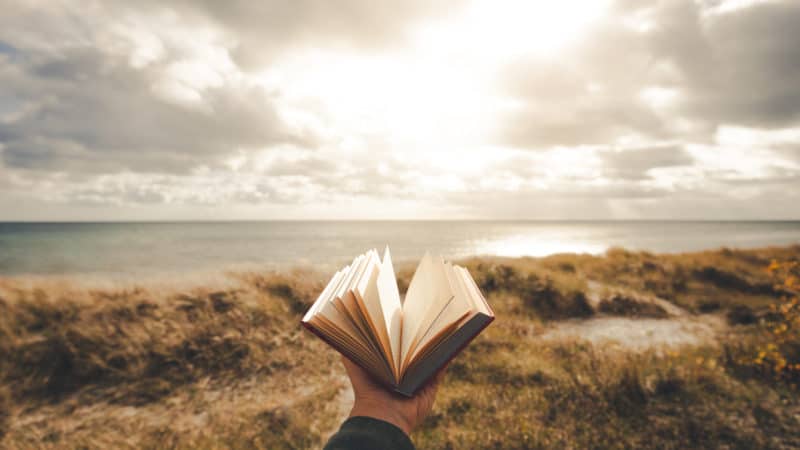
(222,270)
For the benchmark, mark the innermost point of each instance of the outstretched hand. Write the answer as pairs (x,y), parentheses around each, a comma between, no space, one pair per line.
(373,400)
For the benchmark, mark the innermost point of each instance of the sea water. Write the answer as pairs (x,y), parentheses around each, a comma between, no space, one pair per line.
(151,248)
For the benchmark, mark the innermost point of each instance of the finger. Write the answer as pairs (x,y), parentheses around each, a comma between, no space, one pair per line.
(432,387)
(439,375)
(359,377)
(352,369)
(346,362)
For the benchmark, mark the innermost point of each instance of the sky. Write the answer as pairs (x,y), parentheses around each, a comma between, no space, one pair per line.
(408,109)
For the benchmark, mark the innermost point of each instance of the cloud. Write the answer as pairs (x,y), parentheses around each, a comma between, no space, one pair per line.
(789,150)
(635,163)
(661,70)
(82,110)
(264,28)
(448,108)
(587,96)
(104,87)
(740,67)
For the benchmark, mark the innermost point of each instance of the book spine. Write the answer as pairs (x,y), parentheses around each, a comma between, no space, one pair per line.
(421,375)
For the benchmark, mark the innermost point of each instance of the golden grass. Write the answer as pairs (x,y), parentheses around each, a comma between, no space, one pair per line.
(224,364)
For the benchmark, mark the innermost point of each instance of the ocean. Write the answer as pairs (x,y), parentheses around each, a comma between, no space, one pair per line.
(132,249)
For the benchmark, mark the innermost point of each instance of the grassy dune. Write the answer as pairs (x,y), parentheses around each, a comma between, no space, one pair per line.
(224,364)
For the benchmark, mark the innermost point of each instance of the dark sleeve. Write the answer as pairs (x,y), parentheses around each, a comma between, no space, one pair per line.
(366,433)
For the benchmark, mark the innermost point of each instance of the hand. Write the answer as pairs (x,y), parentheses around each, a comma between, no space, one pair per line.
(373,400)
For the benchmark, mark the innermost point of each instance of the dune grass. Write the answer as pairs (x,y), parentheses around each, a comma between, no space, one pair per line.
(225,365)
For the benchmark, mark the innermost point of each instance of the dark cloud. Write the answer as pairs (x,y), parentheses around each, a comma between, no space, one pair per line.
(120,194)
(306,166)
(590,95)
(263,29)
(6,49)
(83,110)
(738,68)
(635,163)
(773,176)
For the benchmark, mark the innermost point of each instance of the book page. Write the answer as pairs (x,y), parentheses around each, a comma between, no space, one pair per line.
(389,297)
(477,296)
(353,349)
(348,302)
(324,295)
(452,312)
(356,269)
(357,284)
(344,321)
(369,301)
(373,260)
(427,295)
(341,295)
(330,313)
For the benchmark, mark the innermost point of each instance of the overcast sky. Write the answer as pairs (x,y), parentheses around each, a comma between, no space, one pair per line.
(364,109)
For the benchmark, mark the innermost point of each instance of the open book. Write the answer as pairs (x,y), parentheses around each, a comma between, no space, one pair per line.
(402,343)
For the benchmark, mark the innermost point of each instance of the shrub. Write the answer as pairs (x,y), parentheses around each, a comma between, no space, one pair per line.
(283,429)
(621,305)
(733,281)
(774,353)
(542,296)
(297,291)
(566,266)
(741,315)
(496,277)
(708,306)
(780,356)
(627,395)
(538,294)
(5,411)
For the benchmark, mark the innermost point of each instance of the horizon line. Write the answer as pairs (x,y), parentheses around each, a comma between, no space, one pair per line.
(156,221)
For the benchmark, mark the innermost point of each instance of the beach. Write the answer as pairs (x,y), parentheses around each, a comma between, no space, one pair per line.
(618,349)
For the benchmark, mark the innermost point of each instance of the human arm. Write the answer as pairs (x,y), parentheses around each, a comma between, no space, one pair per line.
(379,418)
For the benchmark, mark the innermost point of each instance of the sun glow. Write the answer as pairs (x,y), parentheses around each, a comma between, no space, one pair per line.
(526,245)
(435,93)
(500,30)
(403,98)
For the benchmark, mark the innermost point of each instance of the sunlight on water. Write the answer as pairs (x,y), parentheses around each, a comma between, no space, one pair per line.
(522,245)
(163,249)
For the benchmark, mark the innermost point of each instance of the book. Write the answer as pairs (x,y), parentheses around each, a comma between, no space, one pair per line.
(402,343)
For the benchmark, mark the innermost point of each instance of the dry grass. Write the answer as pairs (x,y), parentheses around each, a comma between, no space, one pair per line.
(137,350)
(225,364)
(508,392)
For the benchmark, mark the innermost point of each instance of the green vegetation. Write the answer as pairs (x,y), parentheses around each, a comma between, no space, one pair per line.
(224,364)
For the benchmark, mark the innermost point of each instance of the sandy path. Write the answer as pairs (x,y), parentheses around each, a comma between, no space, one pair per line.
(638,334)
